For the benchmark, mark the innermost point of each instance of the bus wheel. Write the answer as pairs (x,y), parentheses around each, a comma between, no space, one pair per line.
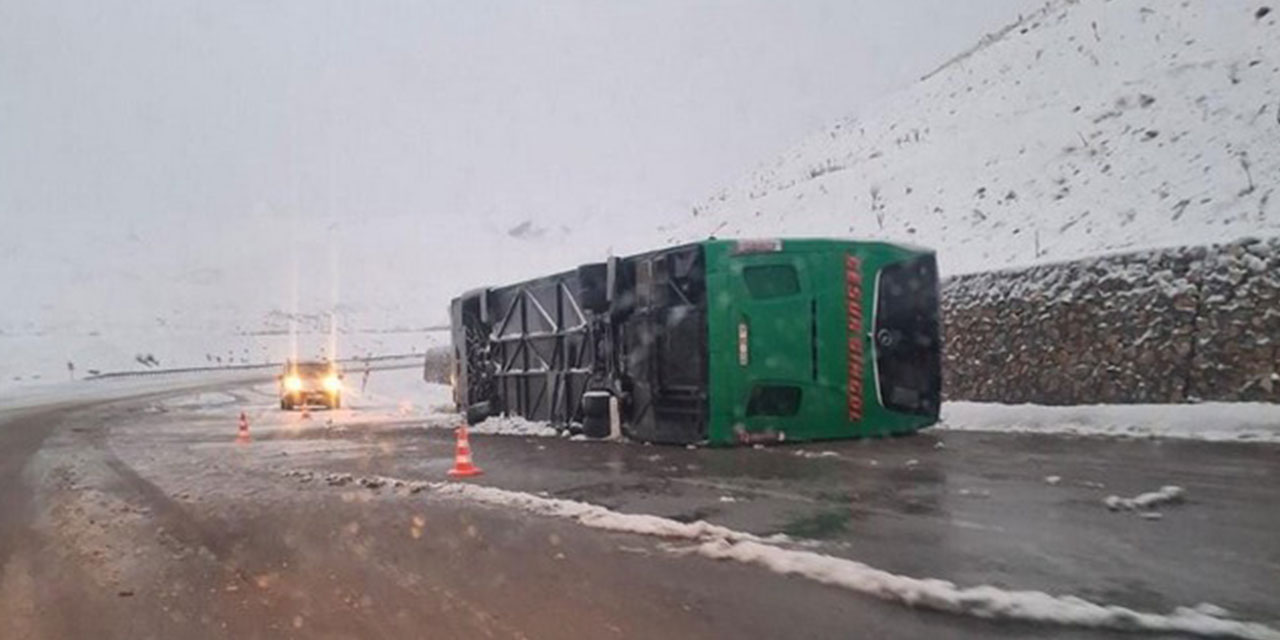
(595,414)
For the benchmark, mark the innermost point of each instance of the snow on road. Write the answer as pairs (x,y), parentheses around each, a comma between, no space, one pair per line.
(514,426)
(1211,421)
(775,554)
(1146,501)
(387,397)
(22,397)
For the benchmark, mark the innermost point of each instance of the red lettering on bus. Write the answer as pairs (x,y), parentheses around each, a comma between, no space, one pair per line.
(853,322)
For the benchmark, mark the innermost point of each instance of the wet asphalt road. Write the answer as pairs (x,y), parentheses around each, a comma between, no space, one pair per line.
(130,519)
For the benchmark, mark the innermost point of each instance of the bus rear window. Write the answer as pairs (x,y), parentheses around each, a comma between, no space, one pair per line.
(771,280)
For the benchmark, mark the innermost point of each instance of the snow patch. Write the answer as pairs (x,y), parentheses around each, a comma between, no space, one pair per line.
(514,426)
(116,388)
(801,453)
(1146,501)
(204,400)
(598,517)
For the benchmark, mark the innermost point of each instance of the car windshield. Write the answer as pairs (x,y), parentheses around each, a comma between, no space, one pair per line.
(632,319)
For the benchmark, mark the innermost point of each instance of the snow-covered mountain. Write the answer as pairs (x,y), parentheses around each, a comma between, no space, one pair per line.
(1088,127)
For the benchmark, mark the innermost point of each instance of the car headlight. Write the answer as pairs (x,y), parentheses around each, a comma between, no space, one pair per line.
(293,383)
(332,383)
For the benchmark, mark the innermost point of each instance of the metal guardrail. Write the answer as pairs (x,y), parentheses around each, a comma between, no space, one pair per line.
(245,367)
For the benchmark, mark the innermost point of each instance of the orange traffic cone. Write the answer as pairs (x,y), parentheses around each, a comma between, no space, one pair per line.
(242,433)
(462,465)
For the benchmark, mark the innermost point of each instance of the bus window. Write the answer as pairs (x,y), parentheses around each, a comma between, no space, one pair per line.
(771,280)
(774,400)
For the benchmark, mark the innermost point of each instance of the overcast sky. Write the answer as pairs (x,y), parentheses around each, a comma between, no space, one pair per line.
(144,114)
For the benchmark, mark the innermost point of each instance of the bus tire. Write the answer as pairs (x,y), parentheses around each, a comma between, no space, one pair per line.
(479,411)
(595,414)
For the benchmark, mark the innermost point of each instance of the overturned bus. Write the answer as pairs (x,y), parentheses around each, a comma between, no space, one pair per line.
(717,342)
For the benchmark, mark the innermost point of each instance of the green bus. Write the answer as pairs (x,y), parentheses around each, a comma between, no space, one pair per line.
(718,342)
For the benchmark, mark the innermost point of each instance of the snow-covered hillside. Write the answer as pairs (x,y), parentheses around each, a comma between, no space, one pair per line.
(1088,127)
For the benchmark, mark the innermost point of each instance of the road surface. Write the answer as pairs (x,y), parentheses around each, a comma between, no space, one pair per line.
(141,517)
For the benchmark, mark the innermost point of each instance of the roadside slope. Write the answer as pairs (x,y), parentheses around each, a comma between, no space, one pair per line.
(1088,127)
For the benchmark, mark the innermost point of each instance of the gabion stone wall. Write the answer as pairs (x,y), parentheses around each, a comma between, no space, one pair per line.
(1164,326)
